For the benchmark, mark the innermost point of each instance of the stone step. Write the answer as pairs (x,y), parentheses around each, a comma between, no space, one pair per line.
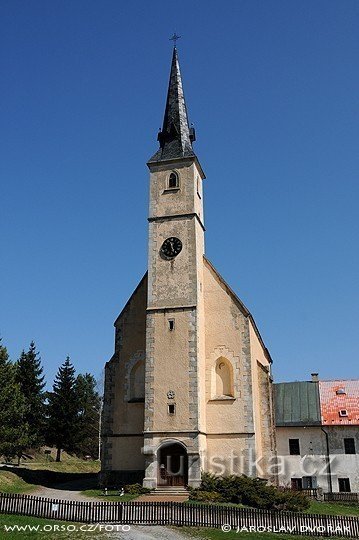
(171,488)
(168,491)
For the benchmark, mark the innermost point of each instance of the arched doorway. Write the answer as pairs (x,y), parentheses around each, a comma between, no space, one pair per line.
(172,465)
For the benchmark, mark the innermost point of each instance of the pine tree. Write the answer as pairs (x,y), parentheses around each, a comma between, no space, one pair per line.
(63,410)
(29,376)
(14,429)
(89,404)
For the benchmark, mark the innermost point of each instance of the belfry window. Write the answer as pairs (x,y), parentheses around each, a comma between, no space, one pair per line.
(173,181)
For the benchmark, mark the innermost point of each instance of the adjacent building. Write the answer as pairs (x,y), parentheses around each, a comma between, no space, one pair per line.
(317,429)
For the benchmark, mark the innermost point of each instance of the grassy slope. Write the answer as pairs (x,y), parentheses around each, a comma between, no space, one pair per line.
(11,483)
(330,509)
(333,509)
(68,464)
(41,471)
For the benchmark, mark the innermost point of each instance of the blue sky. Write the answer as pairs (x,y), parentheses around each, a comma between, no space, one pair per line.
(271,87)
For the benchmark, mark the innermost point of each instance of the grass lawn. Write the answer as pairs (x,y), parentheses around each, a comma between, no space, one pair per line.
(217,534)
(333,509)
(68,463)
(64,534)
(42,470)
(112,495)
(328,508)
(12,483)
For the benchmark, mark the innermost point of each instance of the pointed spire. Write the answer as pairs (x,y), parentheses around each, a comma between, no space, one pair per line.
(176,136)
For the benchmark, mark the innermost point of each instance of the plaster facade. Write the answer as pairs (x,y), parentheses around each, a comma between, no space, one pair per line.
(312,460)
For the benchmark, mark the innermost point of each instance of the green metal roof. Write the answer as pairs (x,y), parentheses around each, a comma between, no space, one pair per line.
(297,403)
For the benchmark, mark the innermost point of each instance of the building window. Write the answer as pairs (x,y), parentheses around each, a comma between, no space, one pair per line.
(198,187)
(171,408)
(341,392)
(294,449)
(349,446)
(224,378)
(171,324)
(137,382)
(173,181)
(344,485)
(297,484)
(309,482)
(343,412)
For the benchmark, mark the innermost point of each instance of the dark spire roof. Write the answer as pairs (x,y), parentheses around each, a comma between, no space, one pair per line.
(176,136)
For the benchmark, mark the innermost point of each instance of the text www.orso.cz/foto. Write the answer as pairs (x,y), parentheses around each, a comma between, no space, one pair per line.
(69,528)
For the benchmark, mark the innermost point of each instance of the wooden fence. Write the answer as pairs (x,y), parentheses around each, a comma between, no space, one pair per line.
(311,493)
(342,497)
(173,513)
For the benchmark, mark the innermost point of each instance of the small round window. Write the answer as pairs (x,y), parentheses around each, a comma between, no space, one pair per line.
(173,181)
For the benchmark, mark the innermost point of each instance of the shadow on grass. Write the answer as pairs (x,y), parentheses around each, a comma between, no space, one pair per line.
(54,479)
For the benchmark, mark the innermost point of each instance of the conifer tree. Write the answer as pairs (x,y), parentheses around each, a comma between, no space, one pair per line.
(89,404)
(63,410)
(29,376)
(14,429)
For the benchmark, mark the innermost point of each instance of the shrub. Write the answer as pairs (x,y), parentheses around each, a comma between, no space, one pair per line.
(205,496)
(293,501)
(210,482)
(253,492)
(136,489)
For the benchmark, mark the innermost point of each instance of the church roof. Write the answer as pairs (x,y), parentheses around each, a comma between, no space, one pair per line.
(176,136)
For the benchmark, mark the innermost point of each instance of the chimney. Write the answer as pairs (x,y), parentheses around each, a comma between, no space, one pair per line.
(315,377)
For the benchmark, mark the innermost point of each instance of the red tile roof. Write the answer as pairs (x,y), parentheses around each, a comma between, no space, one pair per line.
(337,396)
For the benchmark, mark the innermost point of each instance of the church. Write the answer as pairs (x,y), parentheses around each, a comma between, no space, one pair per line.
(189,387)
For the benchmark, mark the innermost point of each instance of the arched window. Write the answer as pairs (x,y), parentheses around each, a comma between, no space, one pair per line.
(223,378)
(173,180)
(137,382)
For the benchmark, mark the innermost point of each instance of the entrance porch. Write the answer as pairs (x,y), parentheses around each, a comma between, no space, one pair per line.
(171,464)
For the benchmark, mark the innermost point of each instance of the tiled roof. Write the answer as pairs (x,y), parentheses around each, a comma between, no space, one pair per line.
(339,401)
(297,404)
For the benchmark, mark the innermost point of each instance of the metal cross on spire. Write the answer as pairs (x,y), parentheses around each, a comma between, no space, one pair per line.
(174,38)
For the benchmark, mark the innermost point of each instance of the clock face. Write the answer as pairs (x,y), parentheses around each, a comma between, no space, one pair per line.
(171,247)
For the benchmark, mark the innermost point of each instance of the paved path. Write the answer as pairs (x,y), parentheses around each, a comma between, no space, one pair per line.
(63,494)
(149,532)
(69,491)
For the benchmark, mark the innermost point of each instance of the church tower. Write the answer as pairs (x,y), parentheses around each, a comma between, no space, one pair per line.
(174,347)
(188,388)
